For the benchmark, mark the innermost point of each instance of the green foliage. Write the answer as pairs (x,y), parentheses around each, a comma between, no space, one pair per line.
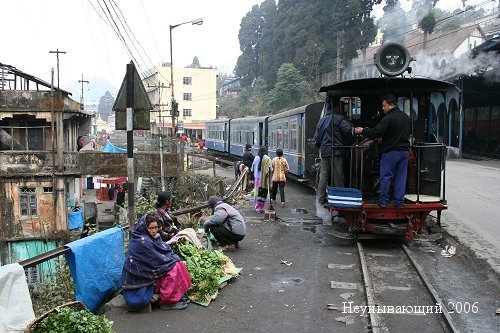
(53,292)
(204,267)
(428,23)
(69,320)
(303,33)
(289,89)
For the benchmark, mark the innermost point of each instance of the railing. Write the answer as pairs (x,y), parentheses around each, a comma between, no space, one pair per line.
(63,249)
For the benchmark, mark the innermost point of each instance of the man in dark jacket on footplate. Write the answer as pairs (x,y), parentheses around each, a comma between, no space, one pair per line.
(332,155)
(394,128)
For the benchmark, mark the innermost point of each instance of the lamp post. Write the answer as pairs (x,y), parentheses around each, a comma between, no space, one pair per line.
(174,108)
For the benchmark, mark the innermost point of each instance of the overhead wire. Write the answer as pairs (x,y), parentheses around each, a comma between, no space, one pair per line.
(127,29)
(414,30)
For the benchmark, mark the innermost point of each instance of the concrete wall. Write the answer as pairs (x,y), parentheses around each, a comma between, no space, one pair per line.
(115,164)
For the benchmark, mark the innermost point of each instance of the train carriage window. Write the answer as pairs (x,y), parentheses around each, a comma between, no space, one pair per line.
(279,136)
(293,135)
(272,136)
(285,136)
(247,134)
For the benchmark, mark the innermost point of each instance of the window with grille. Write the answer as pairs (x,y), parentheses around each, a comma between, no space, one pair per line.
(34,137)
(187,80)
(187,112)
(187,96)
(27,202)
(47,189)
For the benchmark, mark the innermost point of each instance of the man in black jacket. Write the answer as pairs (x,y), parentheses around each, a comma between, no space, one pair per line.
(332,156)
(248,162)
(394,128)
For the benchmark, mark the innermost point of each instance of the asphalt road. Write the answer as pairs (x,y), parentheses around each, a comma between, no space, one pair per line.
(473,194)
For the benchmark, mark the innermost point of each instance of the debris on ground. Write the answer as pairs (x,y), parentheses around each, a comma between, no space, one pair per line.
(449,251)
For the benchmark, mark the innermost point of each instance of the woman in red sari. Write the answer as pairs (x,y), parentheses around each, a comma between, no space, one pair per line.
(151,267)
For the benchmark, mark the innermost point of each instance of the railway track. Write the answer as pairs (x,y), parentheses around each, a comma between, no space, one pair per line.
(399,296)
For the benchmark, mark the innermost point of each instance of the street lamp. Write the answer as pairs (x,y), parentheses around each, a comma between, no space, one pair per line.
(174,105)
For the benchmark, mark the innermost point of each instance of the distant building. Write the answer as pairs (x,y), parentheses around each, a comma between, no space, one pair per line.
(195,90)
(231,87)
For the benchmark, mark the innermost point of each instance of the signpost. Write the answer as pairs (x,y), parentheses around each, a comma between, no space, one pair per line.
(180,126)
(132,108)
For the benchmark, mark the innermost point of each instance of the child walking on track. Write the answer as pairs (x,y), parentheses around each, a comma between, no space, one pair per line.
(280,168)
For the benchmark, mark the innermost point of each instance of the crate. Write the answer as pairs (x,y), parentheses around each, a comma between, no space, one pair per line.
(344,197)
(77,305)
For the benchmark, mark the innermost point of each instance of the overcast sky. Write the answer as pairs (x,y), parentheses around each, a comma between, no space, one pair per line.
(31,28)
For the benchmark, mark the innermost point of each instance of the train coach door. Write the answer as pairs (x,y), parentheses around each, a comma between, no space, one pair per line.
(301,147)
(262,135)
(225,137)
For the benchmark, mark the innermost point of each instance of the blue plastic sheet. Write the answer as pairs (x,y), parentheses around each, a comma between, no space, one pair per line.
(111,148)
(75,220)
(96,264)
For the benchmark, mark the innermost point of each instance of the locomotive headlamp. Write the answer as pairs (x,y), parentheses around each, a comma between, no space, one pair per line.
(392,59)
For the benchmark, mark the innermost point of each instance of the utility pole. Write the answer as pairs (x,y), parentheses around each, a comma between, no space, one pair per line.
(82,81)
(57,55)
(160,130)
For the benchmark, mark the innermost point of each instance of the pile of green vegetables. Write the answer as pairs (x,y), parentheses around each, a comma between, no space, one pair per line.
(69,320)
(205,269)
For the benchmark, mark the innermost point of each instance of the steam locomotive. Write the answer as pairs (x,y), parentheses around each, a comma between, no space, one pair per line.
(293,131)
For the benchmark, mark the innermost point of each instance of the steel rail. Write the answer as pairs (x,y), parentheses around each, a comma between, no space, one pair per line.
(36,260)
(428,285)
(374,319)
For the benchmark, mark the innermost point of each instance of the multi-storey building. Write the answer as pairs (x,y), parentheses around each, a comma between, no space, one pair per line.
(39,177)
(195,91)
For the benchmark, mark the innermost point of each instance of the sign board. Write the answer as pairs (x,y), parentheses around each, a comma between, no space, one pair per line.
(180,127)
(141,104)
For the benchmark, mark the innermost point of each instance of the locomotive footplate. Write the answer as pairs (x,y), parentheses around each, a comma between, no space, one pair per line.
(373,221)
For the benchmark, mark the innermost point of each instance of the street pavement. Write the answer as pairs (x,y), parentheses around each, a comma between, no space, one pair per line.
(473,194)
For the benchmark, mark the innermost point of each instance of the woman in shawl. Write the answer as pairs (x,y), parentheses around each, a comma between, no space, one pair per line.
(152,272)
(169,225)
(263,168)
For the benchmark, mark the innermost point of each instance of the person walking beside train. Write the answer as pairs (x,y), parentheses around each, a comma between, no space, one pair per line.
(332,155)
(261,172)
(394,128)
(280,168)
(248,161)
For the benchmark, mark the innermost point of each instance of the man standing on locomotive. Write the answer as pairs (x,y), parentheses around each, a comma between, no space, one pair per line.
(331,156)
(394,128)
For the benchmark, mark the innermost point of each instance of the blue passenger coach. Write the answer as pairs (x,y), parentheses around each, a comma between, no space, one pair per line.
(248,130)
(293,131)
(217,135)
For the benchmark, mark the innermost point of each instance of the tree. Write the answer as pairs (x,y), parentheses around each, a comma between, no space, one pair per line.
(289,89)
(106,105)
(394,23)
(195,63)
(248,66)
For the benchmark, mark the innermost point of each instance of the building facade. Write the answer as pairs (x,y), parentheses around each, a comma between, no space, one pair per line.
(39,178)
(195,91)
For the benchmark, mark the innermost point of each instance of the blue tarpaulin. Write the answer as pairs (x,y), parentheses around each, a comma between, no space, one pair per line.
(75,220)
(111,148)
(96,264)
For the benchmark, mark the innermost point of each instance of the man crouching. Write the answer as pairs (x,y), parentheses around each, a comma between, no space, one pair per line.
(226,224)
